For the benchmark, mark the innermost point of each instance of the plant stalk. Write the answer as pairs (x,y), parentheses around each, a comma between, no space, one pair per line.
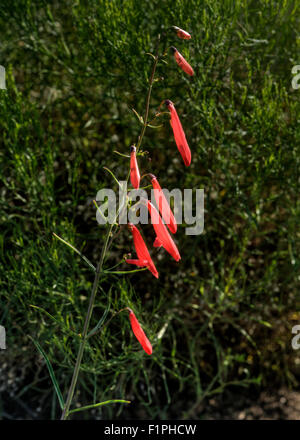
(85,328)
(149,96)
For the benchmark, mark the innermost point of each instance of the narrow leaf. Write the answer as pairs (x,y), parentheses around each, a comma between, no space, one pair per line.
(54,319)
(121,154)
(77,251)
(113,176)
(99,209)
(140,118)
(155,126)
(51,372)
(121,272)
(102,319)
(96,405)
(151,55)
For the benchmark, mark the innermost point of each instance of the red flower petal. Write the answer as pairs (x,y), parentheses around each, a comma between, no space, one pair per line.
(134,169)
(182,62)
(179,135)
(140,263)
(144,259)
(181,33)
(139,333)
(162,232)
(157,242)
(163,206)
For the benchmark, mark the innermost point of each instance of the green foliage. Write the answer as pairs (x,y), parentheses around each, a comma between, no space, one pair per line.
(221,317)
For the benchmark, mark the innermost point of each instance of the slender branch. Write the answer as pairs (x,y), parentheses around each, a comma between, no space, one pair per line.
(85,328)
(149,96)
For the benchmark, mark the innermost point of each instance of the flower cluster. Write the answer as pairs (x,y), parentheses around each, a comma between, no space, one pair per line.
(163,219)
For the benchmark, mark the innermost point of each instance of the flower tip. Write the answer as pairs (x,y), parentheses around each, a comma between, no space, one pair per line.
(173,49)
(154,272)
(157,242)
(148,350)
(134,169)
(168,102)
(173,228)
(139,333)
(181,33)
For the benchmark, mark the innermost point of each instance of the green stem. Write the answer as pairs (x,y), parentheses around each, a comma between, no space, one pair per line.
(149,96)
(85,329)
(99,270)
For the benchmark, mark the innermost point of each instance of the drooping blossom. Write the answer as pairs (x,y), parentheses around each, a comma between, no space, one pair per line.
(134,169)
(163,237)
(139,333)
(179,135)
(182,62)
(144,259)
(163,205)
(181,33)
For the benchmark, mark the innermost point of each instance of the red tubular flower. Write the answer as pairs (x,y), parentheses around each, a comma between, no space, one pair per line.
(139,333)
(179,135)
(134,169)
(182,62)
(163,205)
(181,33)
(144,259)
(163,237)
(157,242)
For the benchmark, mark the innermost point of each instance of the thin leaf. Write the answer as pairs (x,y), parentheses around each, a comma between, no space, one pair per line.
(51,372)
(99,209)
(113,176)
(140,118)
(102,319)
(96,405)
(121,272)
(121,154)
(77,251)
(155,126)
(54,319)
(151,55)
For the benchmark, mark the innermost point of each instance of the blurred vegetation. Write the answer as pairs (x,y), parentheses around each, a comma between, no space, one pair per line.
(220,318)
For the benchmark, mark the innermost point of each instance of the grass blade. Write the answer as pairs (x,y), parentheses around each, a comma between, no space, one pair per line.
(64,329)
(77,251)
(51,372)
(96,405)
